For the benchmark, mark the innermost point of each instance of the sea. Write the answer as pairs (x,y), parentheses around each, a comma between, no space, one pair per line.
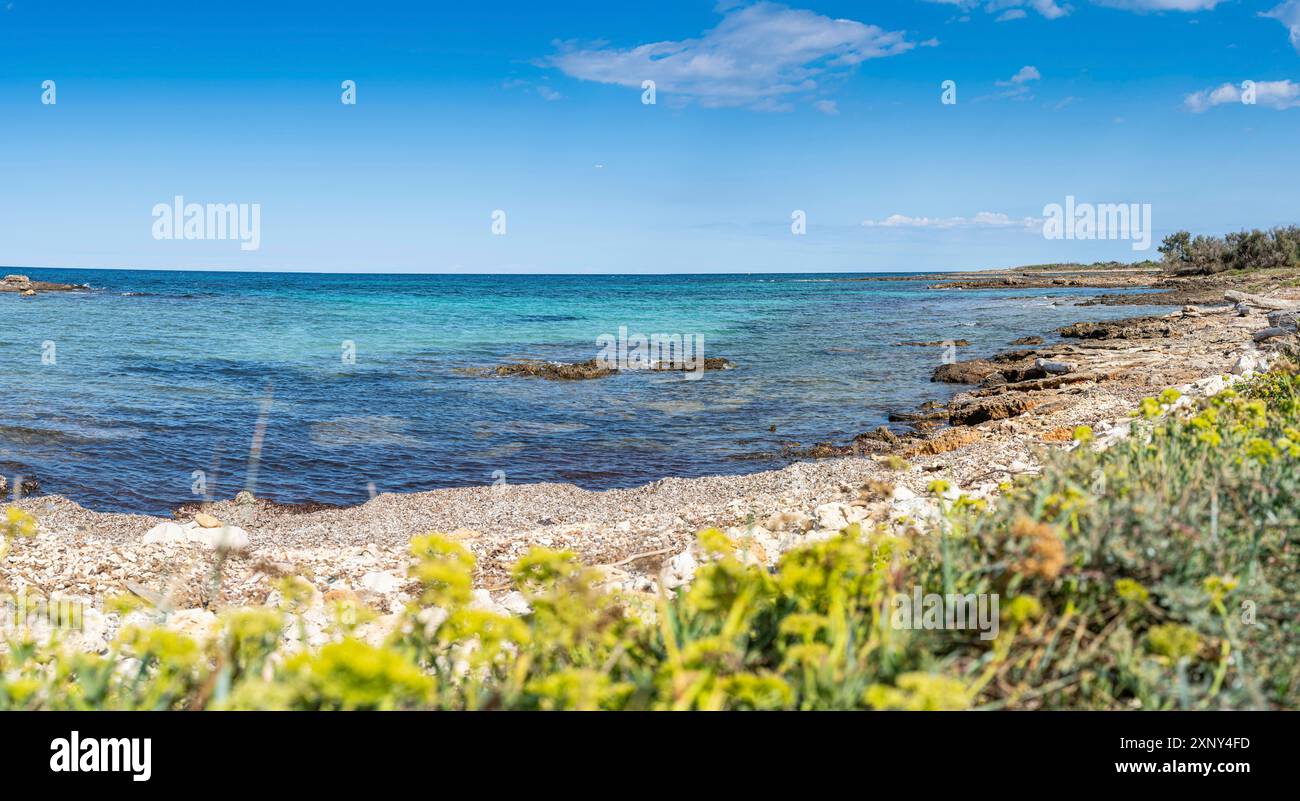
(151,389)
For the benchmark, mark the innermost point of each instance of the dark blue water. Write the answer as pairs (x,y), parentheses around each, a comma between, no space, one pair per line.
(157,375)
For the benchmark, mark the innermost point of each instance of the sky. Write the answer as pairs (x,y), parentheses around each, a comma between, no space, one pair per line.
(515,137)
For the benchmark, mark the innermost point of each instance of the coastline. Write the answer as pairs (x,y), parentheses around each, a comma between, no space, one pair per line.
(637,536)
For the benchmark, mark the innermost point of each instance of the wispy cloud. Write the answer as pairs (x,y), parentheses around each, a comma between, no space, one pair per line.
(1050,9)
(1017,86)
(760,56)
(984,219)
(1270,94)
(1288,13)
(1023,76)
(1010,9)
(1161,5)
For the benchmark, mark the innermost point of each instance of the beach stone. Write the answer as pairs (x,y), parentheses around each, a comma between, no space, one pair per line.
(381,583)
(16,279)
(232,538)
(166,532)
(27,293)
(244,497)
(206,520)
(680,570)
(832,516)
(515,603)
(1246,364)
(376,632)
(902,493)
(228,537)
(1210,385)
(1053,367)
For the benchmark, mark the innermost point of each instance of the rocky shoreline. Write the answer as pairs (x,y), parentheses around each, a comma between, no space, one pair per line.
(234,552)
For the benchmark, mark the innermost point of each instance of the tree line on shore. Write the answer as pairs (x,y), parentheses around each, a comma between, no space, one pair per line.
(1184,254)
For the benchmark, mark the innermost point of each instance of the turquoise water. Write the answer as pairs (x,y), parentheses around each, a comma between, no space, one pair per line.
(157,375)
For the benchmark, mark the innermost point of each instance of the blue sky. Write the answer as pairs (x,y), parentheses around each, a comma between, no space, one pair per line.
(832,108)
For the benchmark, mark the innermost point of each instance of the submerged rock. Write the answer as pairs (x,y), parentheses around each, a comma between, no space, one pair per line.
(26,486)
(582,371)
(956,343)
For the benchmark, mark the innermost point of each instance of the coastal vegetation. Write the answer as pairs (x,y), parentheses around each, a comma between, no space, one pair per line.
(1184,254)
(1157,573)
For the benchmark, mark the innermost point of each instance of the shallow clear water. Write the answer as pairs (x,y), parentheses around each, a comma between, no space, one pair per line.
(160,374)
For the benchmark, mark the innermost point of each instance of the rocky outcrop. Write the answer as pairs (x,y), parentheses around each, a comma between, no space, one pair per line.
(22,285)
(972,371)
(973,410)
(1128,328)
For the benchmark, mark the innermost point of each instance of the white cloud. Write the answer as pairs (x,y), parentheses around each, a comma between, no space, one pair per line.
(759,56)
(984,219)
(1017,86)
(1288,13)
(1161,5)
(1271,94)
(1025,75)
(1010,9)
(827,107)
(1050,9)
